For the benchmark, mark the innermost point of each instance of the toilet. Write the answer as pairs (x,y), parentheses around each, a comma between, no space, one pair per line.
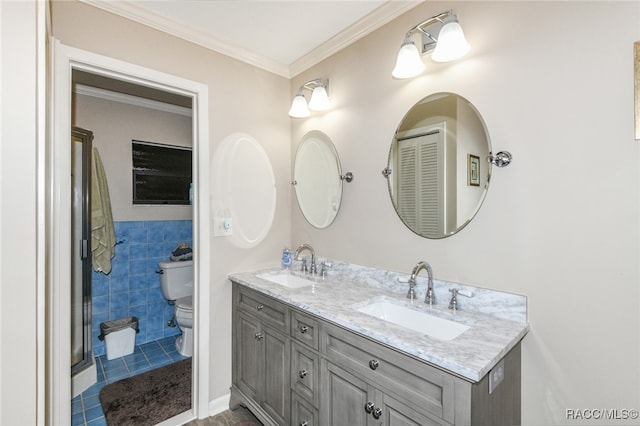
(176,283)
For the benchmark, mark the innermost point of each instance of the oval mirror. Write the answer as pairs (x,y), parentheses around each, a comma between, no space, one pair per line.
(317,180)
(437,171)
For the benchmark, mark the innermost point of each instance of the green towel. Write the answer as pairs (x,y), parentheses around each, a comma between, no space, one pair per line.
(103,237)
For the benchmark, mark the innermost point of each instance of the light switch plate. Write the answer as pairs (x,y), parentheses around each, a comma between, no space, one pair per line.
(222,227)
(496,375)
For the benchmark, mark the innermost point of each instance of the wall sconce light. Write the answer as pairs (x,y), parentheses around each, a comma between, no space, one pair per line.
(319,98)
(449,44)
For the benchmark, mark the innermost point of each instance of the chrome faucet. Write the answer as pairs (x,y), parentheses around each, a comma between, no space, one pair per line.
(429,297)
(301,247)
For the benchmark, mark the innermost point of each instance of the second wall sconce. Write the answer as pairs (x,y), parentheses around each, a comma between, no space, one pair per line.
(449,44)
(319,98)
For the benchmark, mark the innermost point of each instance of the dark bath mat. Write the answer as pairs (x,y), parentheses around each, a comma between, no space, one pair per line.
(150,397)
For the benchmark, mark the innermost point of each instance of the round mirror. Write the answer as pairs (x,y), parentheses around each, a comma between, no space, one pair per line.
(437,172)
(317,180)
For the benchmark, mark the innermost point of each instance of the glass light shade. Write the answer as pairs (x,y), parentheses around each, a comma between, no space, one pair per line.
(319,99)
(451,43)
(299,107)
(409,62)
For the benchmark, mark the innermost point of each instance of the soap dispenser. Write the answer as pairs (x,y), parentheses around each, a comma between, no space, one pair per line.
(286,258)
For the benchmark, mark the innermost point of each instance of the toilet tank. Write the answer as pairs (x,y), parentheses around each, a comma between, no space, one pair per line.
(176,279)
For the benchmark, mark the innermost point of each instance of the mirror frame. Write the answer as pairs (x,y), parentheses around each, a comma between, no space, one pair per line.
(484,178)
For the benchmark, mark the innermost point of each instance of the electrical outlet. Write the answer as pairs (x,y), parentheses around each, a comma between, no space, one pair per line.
(496,375)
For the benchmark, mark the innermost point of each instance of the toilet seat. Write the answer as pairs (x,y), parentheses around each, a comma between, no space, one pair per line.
(185,304)
(184,312)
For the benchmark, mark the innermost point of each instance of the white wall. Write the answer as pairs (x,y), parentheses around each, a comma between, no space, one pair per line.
(241,99)
(114,125)
(554,83)
(20,312)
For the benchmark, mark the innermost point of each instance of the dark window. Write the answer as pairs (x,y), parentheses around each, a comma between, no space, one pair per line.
(161,173)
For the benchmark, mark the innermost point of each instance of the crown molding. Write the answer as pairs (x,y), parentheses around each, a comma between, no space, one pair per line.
(108,95)
(379,17)
(159,22)
(376,19)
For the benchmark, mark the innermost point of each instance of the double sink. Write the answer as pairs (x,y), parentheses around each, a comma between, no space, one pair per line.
(398,312)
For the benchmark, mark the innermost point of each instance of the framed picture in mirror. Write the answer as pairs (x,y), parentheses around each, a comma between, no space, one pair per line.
(473,170)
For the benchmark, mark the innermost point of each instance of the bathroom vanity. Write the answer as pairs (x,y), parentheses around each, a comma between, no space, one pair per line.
(306,353)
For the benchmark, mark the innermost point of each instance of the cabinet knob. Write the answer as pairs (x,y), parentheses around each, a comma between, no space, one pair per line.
(368,407)
(303,329)
(377,412)
(302,373)
(305,423)
(259,307)
(259,335)
(373,364)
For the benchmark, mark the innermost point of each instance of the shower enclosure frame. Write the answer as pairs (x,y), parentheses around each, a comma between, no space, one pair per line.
(81,324)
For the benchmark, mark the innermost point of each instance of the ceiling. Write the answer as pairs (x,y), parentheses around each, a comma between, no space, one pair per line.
(282,36)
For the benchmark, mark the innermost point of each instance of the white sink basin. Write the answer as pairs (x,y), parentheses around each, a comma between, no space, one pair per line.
(415,320)
(285,279)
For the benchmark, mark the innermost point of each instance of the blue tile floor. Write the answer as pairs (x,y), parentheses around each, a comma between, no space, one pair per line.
(86,409)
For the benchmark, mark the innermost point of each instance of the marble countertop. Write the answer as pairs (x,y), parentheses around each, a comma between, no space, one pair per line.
(471,355)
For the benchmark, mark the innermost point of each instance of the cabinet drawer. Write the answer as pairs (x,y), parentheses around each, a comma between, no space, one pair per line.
(304,329)
(262,307)
(411,380)
(305,367)
(302,414)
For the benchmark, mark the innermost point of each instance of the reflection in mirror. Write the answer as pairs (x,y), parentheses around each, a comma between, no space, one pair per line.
(317,180)
(437,173)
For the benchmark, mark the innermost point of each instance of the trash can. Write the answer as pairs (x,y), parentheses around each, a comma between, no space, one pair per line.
(119,336)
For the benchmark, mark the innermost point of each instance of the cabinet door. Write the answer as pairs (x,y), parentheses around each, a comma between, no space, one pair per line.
(248,370)
(395,413)
(343,398)
(275,397)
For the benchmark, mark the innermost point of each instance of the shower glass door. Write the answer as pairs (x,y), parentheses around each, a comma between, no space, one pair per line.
(81,351)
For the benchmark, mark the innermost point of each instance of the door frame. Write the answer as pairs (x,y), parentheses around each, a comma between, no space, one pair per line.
(58,164)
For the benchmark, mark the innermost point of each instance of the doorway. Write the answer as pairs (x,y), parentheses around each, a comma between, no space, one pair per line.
(67,61)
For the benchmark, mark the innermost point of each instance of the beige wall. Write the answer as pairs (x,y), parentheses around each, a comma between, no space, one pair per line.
(554,83)
(559,225)
(241,99)
(114,125)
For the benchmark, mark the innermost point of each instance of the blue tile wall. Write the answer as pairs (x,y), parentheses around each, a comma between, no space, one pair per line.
(132,288)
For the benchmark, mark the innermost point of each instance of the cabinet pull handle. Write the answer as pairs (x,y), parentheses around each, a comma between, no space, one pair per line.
(303,329)
(368,407)
(373,364)
(305,423)
(302,373)
(259,307)
(377,412)
(259,335)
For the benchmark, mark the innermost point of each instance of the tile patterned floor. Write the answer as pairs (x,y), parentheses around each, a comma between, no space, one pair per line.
(86,409)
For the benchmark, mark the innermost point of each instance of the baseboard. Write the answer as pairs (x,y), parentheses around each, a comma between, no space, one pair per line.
(219,405)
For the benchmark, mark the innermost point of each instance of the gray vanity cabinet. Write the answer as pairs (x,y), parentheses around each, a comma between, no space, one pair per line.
(350,400)
(293,368)
(261,356)
(398,390)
